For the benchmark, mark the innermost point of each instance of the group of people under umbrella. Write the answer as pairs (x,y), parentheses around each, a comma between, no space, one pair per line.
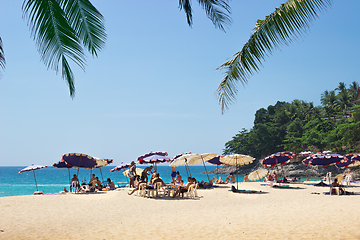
(77,160)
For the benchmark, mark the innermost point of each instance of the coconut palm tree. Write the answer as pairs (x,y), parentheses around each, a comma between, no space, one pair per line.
(287,22)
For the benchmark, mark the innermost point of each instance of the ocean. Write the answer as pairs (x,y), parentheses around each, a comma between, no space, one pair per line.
(53,180)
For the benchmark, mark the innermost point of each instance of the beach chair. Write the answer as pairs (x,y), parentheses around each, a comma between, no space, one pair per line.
(154,192)
(195,189)
(190,192)
(158,189)
(142,190)
(74,187)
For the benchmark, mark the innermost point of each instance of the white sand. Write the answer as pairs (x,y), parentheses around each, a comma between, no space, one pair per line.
(217,214)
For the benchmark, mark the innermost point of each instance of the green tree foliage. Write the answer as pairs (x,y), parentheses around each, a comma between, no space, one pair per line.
(299,126)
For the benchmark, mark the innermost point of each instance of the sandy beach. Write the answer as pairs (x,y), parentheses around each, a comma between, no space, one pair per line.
(216,214)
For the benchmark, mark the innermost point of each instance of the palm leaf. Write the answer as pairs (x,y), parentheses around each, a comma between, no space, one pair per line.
(217,11)
(218,17)
(2,55)
(87,22)
(56,40)
(280,27)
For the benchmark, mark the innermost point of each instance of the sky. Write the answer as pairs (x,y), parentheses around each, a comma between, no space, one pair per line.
(152,87)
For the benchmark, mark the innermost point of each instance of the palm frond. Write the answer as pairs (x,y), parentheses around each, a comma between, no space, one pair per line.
(55,39)
(2,56)
(280,27)
(87,22)
(186,5)
(218,11)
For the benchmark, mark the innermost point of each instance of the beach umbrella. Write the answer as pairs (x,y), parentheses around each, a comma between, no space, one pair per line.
(180,160)
(33,168)
(258,174)
(101,163)
(62,164)
(121,167)
(216,161)
(306,160)
(349,162)
(79,160)
(237,159)
(277,158)
(193,159)
(326,159)
(153,158)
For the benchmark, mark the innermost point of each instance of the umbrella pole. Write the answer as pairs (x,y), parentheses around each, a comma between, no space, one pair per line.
(78,166)
(69,175)
(188,169)
(205,169)
(217,171)
(35,181)
(237,175)
(101,175)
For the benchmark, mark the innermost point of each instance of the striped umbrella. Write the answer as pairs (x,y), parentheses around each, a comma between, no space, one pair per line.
(33,168)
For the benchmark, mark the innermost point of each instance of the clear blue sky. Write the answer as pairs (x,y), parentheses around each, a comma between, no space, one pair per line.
(152,88)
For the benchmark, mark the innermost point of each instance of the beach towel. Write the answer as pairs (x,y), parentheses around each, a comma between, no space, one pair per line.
(233,189)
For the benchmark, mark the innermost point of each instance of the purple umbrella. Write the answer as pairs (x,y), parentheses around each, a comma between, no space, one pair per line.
(326,159)
(306,160)
(79,160)
(120,167)
(277,158)
(216,161)
(153,158)
(33,168)
(63,164)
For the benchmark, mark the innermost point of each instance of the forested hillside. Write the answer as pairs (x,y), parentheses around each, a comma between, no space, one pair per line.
(301,126)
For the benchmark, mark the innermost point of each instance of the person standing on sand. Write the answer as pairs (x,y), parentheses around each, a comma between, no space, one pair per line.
(132,173)
(145,173)
(178,177)
(173,174)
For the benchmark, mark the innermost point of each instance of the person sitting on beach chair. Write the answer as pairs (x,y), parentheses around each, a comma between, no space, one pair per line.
(111,184)
(142,180)
(336,188)
(181,190)
(157,179)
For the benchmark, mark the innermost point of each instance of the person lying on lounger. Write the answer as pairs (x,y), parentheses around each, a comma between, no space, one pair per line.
(218,181)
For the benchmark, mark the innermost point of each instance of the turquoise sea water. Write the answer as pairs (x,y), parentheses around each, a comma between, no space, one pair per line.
(53,180)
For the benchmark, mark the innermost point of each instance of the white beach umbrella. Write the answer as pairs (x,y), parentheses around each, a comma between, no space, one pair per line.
(32,168)
(193,159)
(237,159)
(258,174)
